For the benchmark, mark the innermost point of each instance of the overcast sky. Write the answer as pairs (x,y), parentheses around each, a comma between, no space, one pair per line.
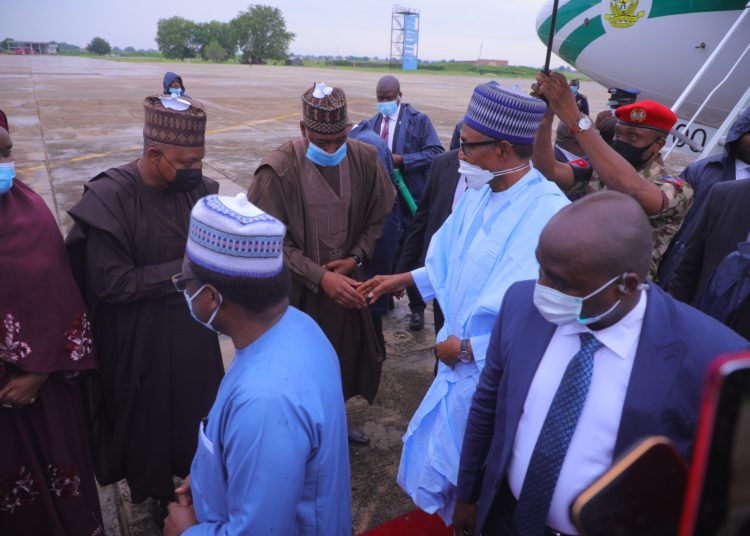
(450,29)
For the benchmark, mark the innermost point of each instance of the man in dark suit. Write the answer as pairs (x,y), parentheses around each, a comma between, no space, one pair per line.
(414,143)
(724,223)
(440,196)
(582,363)
(732,164)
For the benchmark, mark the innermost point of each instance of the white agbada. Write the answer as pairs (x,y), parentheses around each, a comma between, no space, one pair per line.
(485,245)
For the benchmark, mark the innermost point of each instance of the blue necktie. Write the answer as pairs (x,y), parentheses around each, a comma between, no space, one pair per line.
(530,517)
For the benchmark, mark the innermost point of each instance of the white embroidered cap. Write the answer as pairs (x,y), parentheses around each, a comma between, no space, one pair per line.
(231,236)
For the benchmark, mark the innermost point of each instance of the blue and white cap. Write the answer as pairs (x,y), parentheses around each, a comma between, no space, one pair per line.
(231,236)
(505,114)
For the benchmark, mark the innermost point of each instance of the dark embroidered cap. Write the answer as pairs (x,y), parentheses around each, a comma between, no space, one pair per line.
(180,122)
(324,109)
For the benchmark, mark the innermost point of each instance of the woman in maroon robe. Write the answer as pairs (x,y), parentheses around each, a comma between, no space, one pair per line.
(46,477)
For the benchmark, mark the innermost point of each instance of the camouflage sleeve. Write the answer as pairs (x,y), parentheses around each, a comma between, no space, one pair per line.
(678,196)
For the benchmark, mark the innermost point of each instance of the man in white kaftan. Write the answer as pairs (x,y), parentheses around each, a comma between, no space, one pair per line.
(486,244)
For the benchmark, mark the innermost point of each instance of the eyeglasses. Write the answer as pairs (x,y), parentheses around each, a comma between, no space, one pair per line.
(467,146)
(180,282)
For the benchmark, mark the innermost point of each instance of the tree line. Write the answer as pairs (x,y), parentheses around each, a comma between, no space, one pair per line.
(257,34)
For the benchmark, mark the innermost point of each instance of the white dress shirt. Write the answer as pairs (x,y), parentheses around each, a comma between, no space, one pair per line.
(742,169)
(590,451)
(461,187)
(391,126)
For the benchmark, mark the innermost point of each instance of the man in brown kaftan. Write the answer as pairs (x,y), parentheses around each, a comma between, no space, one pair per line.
(333,195)
(158,369)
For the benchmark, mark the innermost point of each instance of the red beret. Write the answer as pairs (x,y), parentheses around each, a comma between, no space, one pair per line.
(647,114)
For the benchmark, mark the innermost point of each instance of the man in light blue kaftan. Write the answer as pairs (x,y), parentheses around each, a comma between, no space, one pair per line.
(272,456)
(484,246)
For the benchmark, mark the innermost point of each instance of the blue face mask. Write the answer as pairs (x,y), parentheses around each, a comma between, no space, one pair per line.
(189,299)
(574,89)
(559,308)
(324,159)
(177,91)
(7,174)
(388,108)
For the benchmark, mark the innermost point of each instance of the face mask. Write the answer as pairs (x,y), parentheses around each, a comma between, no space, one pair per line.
(323,158)
(574,89)
(634,155)
(189,299)
(560,308)
(7,174)
(476,177)
(185,180)
(388,108)
(176,91)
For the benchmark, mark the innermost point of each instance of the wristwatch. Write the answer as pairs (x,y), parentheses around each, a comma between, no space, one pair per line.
(464,355)
(357,262)
(583,123)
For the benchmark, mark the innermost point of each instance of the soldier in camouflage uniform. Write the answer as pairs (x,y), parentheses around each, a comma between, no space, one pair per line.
(632,165)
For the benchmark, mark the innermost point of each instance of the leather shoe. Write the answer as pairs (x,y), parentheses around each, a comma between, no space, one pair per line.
(416,323)
(358,437)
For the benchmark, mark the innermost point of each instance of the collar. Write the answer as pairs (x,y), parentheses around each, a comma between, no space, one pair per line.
(654,169)
(618,337)
(740,164)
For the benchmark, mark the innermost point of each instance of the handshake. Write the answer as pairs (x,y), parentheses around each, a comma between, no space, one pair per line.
(355,294)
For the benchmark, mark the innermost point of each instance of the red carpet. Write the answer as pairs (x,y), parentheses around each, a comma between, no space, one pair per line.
(414,523)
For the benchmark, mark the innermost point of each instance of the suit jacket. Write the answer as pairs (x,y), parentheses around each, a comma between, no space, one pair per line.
(725,221)
(436,206)
(416,140)
(663,396)
(702,175)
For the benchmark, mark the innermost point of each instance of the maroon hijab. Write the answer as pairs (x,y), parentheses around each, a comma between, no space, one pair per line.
(43,322)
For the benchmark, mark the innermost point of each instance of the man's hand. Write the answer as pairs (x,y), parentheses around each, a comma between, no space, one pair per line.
(384,284)
(22,390)
(398,161)
(447,351)
(554,87)
(464,519)
(341,266)
(342,290)
(180,519)
(184,493)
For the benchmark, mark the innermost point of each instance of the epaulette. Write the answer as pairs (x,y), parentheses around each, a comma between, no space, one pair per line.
(677,181)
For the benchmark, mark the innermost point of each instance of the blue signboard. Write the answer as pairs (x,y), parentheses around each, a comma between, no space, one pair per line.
(411,37)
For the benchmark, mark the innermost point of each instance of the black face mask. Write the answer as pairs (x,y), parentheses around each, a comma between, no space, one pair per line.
(186,180)
(634,155)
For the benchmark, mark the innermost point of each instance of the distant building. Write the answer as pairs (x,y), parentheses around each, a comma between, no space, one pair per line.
(486,63)
(32,47)
(492,63)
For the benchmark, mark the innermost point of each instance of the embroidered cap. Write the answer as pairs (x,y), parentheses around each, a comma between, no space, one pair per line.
(504,114)
(324,109)
(647,114)
(231,236)
(174,121)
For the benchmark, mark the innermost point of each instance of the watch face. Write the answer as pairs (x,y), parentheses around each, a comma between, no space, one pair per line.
(584,123)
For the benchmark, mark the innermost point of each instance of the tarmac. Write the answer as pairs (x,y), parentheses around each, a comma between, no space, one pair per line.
(71,118)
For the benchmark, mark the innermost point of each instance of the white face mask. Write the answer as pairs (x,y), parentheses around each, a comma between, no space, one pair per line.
(560,308)
(189,299)
(476,177)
